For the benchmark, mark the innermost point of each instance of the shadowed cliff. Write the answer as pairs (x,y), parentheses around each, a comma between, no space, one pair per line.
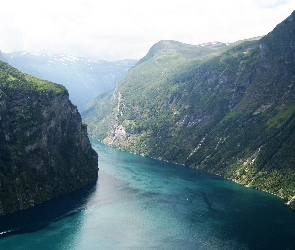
(44,148)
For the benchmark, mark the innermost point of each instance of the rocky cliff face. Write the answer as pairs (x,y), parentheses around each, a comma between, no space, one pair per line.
(45,150)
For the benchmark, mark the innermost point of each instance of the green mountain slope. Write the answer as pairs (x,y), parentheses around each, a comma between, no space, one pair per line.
(227,109)
(44,148)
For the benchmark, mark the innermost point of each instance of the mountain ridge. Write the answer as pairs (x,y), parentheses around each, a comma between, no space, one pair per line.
(229,111)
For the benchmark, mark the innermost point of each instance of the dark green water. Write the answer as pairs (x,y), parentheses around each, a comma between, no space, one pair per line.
(140,203)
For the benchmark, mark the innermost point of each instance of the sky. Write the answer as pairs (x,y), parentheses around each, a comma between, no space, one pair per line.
(127,29)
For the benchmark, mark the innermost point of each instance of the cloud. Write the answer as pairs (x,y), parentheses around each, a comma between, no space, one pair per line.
(271,3)
(117,29)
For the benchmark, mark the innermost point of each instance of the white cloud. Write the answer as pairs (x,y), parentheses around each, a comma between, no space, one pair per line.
(270,3)
(117,29)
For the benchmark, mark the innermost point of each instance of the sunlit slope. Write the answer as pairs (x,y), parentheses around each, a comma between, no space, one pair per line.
(227,109)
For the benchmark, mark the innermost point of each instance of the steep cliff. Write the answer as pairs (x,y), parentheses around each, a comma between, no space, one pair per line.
(230,111)
(44,148)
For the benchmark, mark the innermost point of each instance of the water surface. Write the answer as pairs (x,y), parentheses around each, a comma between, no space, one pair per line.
(141,203)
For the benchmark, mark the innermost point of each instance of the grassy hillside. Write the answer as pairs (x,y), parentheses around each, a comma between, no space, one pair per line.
(226,109)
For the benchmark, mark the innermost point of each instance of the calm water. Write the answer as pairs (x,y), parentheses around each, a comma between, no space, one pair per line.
(140,203)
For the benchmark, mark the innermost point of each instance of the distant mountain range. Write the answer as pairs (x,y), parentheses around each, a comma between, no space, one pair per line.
(226,108)
(83,77)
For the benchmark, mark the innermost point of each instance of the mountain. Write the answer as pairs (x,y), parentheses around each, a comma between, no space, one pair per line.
(44,148)
(2,57)
(227,109)
(83,77)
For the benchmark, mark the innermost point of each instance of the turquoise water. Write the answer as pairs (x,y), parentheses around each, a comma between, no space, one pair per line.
(140,203)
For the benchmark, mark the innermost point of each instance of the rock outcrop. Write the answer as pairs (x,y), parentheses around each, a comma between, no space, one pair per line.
(44,148)
(291,203)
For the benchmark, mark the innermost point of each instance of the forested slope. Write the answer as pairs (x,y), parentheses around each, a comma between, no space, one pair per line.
(227,109)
